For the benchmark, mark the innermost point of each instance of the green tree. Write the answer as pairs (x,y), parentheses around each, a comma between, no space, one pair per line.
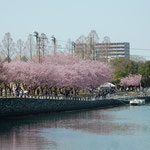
(124,67)
(118,74)
(144,70)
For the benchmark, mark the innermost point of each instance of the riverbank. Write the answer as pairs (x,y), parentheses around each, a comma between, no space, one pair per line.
(29,106)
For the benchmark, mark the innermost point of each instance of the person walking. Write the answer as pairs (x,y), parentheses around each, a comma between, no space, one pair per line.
(38,92)
(13,90)
(28,89)
(21,93)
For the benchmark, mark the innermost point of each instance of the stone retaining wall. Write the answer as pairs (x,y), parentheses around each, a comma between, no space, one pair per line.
(21,106)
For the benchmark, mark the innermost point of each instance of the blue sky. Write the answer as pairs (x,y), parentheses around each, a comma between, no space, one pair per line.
(121,20)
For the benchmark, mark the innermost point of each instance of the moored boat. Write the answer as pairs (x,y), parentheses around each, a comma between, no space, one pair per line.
(137,102)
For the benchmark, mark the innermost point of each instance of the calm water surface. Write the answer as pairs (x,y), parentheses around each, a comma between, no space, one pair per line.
(121,128)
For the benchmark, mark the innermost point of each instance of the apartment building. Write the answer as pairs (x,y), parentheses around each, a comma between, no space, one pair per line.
(109,51)
(102,51)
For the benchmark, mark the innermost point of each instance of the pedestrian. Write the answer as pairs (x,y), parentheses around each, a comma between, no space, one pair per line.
(13,90)
(28,89)
(46,92)
(21,93)
(17,92)
(38,91)
(25,93)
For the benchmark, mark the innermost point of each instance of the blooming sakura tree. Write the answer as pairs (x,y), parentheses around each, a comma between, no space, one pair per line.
(59,70)
(131,80)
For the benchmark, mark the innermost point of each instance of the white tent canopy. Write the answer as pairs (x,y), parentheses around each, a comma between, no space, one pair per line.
(107,85)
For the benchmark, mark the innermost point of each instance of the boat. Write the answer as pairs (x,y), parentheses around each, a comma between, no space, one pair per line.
(137,102)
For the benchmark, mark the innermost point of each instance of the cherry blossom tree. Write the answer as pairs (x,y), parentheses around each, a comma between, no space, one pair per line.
(16,72)
(131,80)
(58,71)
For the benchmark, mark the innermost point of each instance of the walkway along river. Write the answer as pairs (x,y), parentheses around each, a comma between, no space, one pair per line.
(27,106)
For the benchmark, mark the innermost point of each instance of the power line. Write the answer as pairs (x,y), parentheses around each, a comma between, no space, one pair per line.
(62,41)
(139,55)
(143,49)
(54,42)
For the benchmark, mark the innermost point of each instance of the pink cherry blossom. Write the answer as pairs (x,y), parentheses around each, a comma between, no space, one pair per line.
(131,80)
(59,70)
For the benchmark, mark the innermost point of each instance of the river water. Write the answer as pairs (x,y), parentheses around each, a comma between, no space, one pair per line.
(120,128)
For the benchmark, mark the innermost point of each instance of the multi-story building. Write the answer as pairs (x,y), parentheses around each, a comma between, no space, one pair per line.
(108,51)
(102,51)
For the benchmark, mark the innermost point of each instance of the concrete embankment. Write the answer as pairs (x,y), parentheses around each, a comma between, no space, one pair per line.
(22,106)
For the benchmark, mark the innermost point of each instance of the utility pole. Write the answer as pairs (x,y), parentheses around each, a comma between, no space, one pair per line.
(73,48)
(38,41)
(43,45)
(54,42)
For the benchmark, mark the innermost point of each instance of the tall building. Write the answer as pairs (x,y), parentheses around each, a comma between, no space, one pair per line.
(108,51)
(90,48)
(102,51)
